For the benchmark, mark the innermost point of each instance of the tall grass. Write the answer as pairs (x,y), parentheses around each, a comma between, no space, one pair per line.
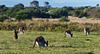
(49,26)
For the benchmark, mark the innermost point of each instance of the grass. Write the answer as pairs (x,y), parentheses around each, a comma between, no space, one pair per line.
(79,44)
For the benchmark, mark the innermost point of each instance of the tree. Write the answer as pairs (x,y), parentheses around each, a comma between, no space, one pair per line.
(34,3)
(13,10)
(2,18)
(3,9)
(22,15)
(76,13)
(96,13)
(68,8)
(46,4)
(97,5)
(2,6)
(20,5)
(37,12)
(63,19)
(91,12)
(58,12)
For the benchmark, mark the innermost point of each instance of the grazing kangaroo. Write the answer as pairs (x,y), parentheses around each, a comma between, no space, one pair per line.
(15,34)
(68,32)
(21,30)
(86,31)
(40,42)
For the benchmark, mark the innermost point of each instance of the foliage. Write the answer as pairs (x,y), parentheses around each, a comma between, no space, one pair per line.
(13,10)
(37,12)
(81,12)
(63,19)
(3,9)
(97,13)
(69,8)
(22,15)
(97,5)
(49,26)
(94,12)
(2,18)
(76,13)
(59,12)
(47,11)
(2,6)
(34,3)
(46,4)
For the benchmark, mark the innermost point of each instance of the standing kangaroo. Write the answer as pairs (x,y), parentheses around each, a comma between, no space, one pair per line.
(15,34)
(86,31)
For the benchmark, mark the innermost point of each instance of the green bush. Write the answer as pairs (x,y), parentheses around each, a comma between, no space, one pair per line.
(97,13)
(2,18)
(63,19)
(76,13)
(59,28)
(22,15)
(58,12)
(82,14)
(13,10)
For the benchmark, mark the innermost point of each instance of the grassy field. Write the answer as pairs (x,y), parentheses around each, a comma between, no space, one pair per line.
(79,44)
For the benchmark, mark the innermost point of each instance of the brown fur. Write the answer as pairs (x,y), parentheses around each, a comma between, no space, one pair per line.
(86,31)
(21,29)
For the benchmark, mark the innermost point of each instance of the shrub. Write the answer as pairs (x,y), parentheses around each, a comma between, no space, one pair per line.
(22,15)
(82,14)
(59,12)
(48,26)
(97,13)
(13,10)
(76,13)
(63,19)
(59,28)
(2,18)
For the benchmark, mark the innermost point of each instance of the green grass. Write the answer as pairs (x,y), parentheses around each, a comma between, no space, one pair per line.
(79,44)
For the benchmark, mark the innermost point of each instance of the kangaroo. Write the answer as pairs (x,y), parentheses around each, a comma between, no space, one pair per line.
(21,30)
(86,31)
(40,42)
(68,32)
(15,34)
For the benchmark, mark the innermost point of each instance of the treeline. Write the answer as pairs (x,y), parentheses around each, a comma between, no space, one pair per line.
(19,12)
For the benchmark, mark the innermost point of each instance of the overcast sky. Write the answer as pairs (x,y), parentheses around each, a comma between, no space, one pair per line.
(53,3)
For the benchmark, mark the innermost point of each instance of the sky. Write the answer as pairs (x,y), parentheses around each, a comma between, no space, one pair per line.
(53,3)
